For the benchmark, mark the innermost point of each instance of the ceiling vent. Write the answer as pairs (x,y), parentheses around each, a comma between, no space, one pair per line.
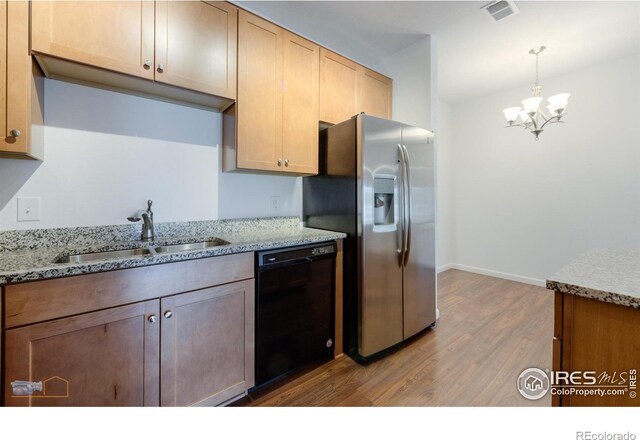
(500,10)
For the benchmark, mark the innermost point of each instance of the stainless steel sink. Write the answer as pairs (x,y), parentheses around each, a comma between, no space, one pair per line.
(81,258)
(190,246)
(201,245)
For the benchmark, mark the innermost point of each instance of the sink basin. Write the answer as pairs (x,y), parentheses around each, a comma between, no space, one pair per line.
(81,258)
(201,245)
(190,246)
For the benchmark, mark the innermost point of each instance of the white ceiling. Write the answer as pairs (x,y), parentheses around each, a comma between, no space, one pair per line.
(476,56)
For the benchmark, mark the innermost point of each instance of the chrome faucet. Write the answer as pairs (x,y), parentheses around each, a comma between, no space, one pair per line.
(148,233)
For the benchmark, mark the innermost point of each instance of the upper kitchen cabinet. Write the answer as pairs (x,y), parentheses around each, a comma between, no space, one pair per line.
(114,35)
(273,126)
(375,93)
(178,51)
(300,105)
(21,86)
(347,88)
(259,104)
(209,30)
(338,87)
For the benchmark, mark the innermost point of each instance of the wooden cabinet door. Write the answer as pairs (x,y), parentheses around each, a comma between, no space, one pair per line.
(259,105)
(3,73)
(22,98)
(114,35)
(375,93)
(338,87)
(106,358)
(196,46)
(207,345)
(300,105)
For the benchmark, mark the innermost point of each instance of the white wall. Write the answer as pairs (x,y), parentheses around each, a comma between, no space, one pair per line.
(106,153)
(413,72)
(527,208)
(444,172)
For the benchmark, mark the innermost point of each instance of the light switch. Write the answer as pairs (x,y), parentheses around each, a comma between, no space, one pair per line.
(28,209)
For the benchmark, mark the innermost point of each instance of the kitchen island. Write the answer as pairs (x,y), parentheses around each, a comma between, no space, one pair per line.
(597,328)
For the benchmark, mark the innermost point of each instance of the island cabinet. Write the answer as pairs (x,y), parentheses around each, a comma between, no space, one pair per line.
(273,126)
(348,88)
(599,337)
(129,338)
(21,87)
(191,45)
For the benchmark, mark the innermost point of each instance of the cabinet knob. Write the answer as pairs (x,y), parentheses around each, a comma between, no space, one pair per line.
(286,162)
(160,68)
(168,314)
(279,162)
(15,133)
(152,318)
(147,64)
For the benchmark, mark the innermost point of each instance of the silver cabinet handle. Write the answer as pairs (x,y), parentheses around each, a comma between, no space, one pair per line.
(152,318)
(279,162)
(286,162)
(402,201)
(160,68)
(168,314)
(15,133)
(147,64)
(409,201)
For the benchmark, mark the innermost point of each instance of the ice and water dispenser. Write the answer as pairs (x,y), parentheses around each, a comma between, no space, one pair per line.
(383,203)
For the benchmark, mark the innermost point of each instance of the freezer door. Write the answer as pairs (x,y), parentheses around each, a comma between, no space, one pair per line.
(380,212)
(419,277)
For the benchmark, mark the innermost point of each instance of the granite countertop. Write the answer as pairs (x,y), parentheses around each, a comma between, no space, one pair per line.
(611,276)
(30,255)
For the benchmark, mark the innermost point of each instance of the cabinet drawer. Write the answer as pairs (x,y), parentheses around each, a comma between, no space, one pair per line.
(37,301)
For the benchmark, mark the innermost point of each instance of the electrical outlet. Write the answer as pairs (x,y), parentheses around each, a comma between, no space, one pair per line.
(275,203)
(28,209)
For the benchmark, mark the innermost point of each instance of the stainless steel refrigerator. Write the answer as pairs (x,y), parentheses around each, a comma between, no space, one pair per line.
(376,183)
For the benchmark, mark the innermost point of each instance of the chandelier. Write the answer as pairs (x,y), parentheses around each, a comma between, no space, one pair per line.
(532,117)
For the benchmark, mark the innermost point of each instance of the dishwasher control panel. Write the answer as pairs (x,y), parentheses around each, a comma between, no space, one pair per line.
(297,253)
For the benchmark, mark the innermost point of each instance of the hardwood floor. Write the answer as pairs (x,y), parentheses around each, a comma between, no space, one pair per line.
(489,331)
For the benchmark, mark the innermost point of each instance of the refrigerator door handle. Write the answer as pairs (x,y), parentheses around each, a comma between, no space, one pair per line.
(407,196)
(402,201)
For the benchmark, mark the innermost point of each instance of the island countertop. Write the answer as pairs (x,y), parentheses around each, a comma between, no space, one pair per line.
(30,255)
(611,276)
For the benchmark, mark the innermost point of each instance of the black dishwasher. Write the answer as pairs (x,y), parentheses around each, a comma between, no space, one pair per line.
(294,309)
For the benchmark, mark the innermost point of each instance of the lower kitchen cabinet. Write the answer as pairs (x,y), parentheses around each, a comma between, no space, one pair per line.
(106,358)
(207,345)
(174,349)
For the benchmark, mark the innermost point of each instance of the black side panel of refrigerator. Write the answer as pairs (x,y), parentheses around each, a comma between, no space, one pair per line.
(329,202)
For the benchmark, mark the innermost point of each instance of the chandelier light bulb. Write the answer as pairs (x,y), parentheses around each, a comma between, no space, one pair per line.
(559,101)
(531,105)
(525,118)
(511,113)
(554,111)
